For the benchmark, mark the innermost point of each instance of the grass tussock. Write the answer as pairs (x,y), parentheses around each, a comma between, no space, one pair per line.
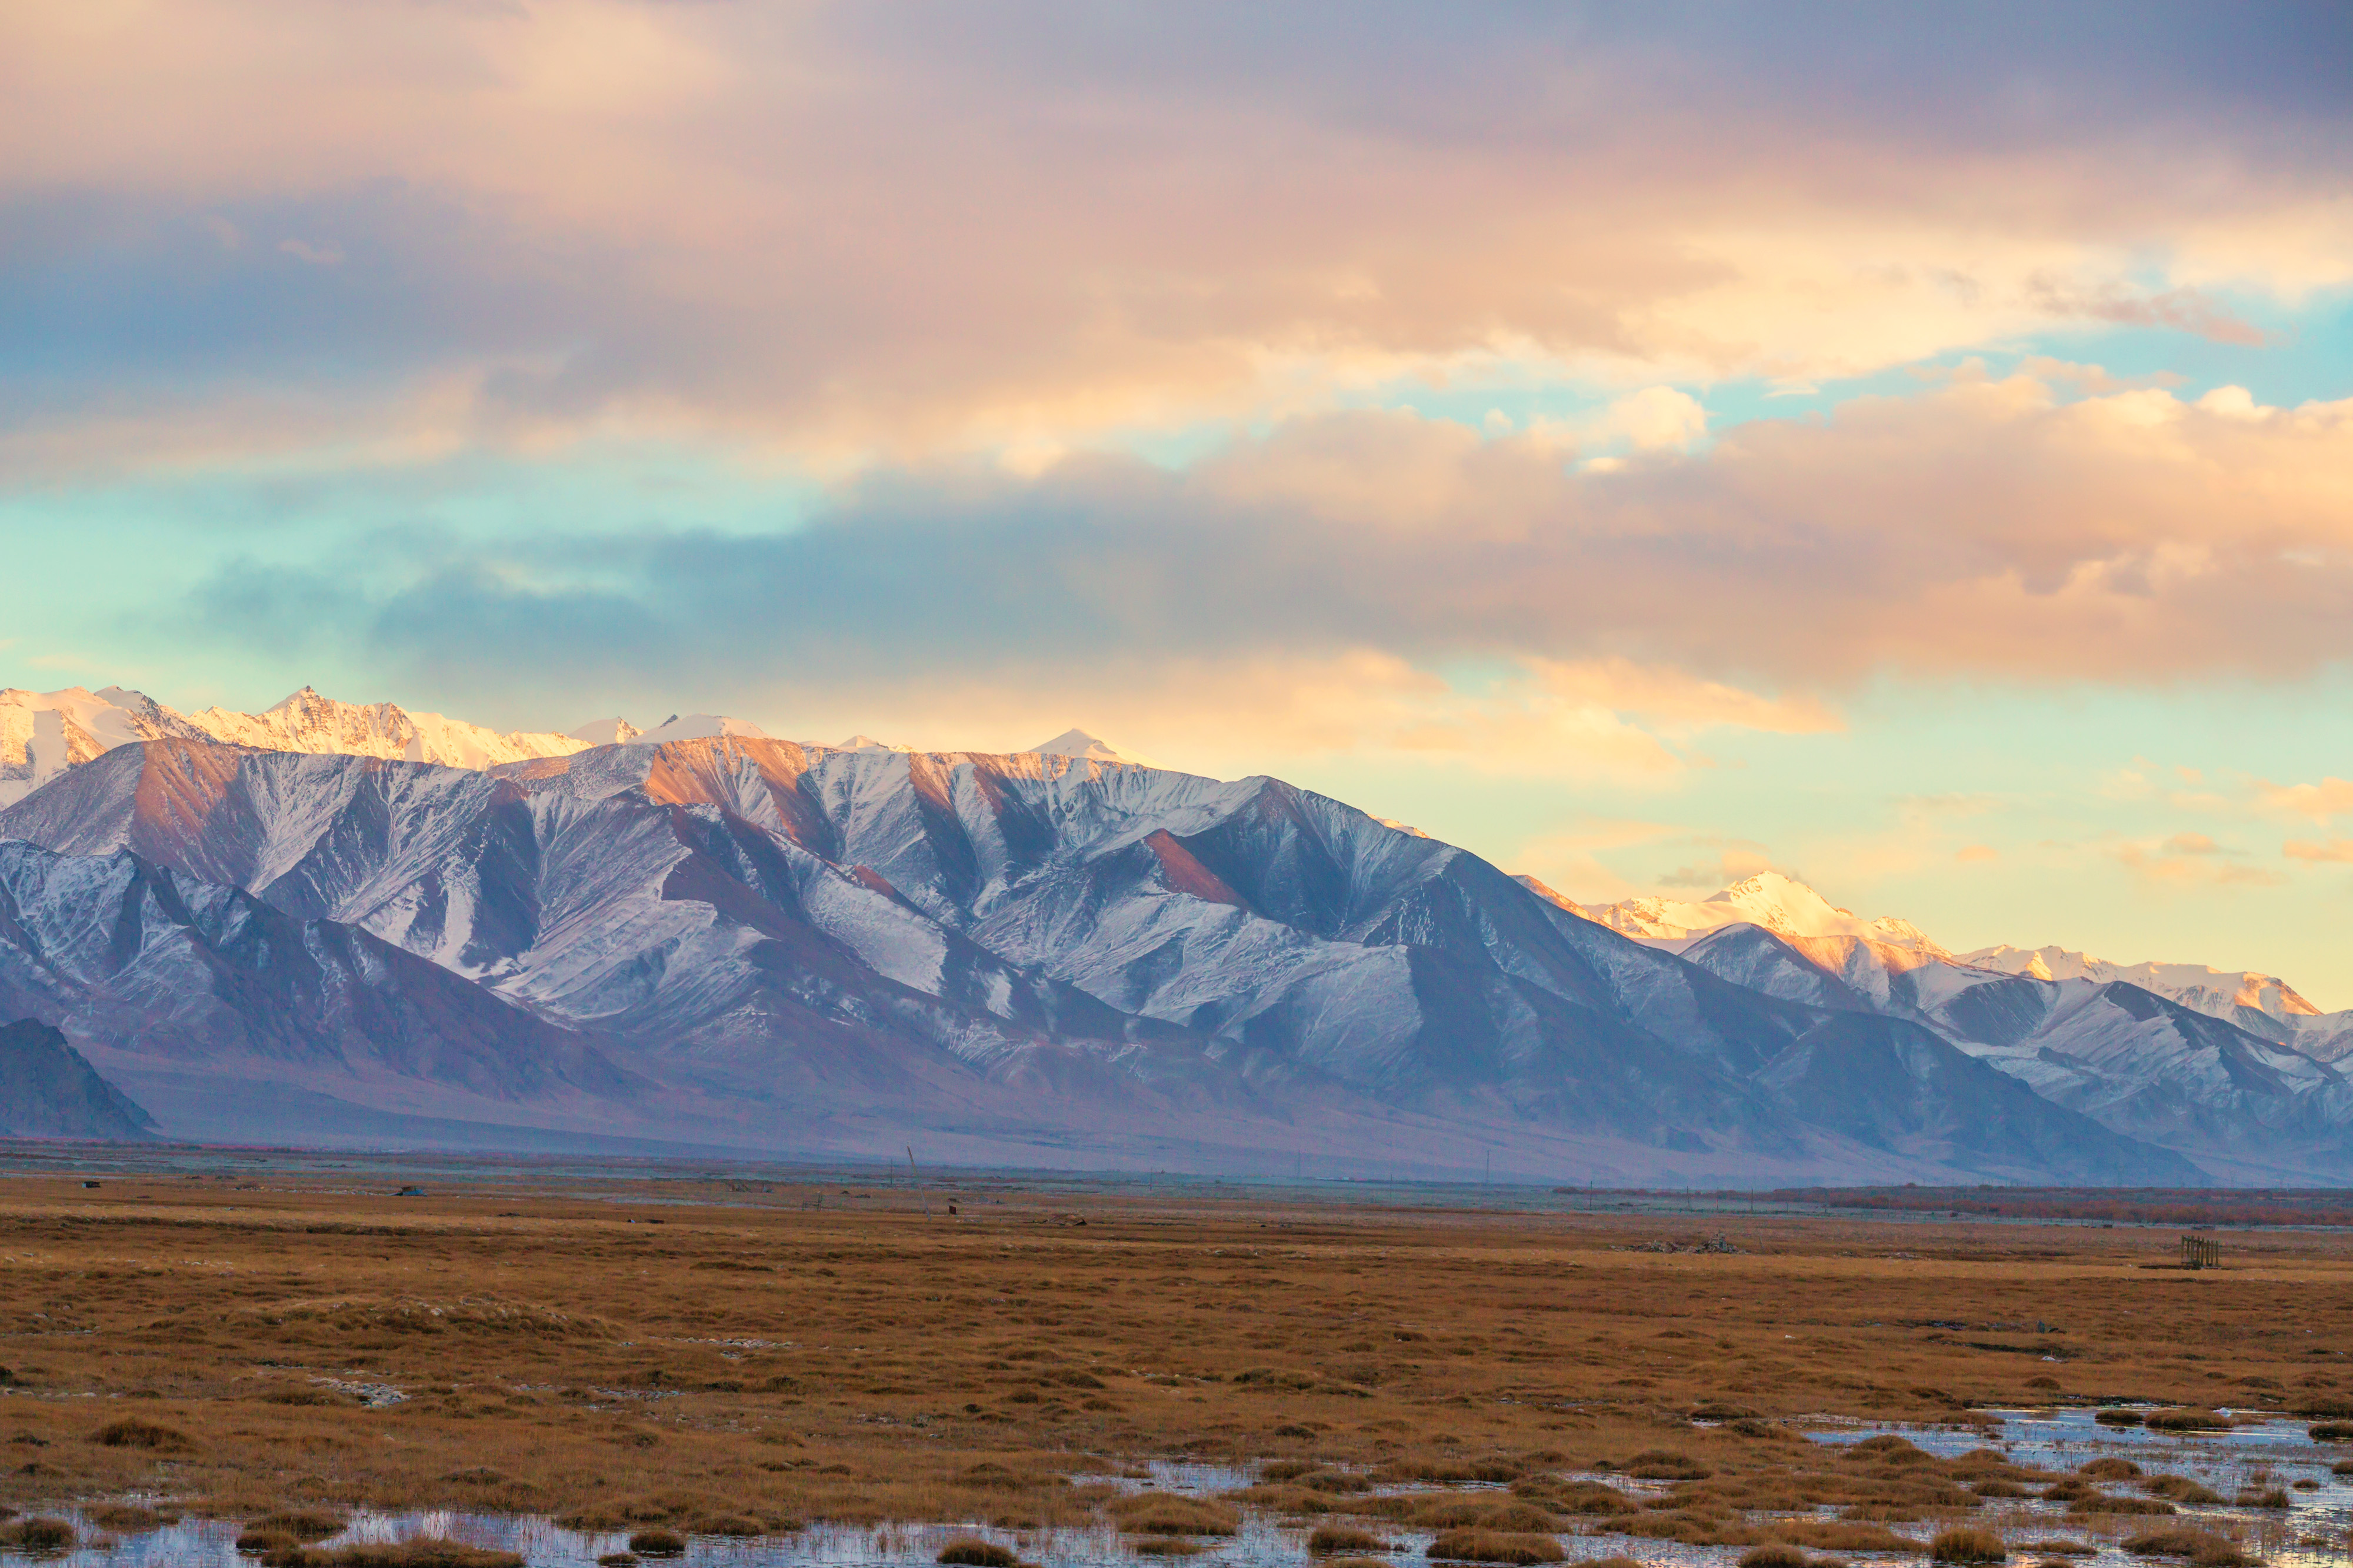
(1494,1546)
(422,1552)
(2118,1418)
(1289,1499)
(39,1535)
(976,1554)
(2186,1419)
(1343,1540)
(658,1542)
(1966,1543)
(2202,1548)
(1172,1546)
(2109,1504)
(1840,1535)
(2112,1468)
(1773,1555)
(2180,1488)
(129,1519)
(134,1433)
(1164,1513)
(2330,1431)
(1476,1513)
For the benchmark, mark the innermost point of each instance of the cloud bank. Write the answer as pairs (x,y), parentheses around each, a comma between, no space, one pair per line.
(836,234)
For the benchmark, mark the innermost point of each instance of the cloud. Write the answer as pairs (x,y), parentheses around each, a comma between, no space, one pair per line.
(1654,417)
(1977,531)
(2190,861)
(1737,860)
(2321,802)
(2336,851)
(1569,860)
(1976,854)
(839,234)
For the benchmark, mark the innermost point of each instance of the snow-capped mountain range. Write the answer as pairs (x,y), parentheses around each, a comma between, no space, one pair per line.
(1855,950)
(336,924)
(43,733)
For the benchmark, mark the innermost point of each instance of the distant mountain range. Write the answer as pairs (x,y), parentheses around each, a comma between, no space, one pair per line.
(700,938)
(2237,1069)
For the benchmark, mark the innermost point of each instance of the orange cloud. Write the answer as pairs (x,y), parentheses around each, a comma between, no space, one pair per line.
(837,234)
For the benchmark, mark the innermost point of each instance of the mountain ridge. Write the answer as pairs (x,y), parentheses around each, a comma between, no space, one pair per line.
(1035,947)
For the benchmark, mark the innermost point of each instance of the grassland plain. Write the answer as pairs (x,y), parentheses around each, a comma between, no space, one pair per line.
(684,1354)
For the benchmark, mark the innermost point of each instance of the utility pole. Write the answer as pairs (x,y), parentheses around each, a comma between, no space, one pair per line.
(918,1176)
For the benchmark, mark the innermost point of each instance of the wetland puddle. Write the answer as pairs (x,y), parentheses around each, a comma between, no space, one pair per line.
(2311,1532)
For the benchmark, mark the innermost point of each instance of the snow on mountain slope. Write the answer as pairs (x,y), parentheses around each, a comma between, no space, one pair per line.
(128,957)
(1075,742)
(694,727)
(2137,1063)
(2150,1066)
(1868,956)
(606,732)
(306,722)
(1785,907)
(2262,1004)
(42,733)
(1048,946)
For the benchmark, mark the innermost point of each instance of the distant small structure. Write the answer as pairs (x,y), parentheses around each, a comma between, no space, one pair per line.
(410,1192)
(2198,1252)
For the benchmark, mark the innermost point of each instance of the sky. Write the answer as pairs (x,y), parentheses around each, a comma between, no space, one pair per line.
(1910,447)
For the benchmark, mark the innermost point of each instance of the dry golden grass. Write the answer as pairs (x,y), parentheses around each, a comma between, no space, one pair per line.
(680,1356)
(1496,1546)
(1343,1540)
(1967,1543)
(975,1554)
(2201,1547)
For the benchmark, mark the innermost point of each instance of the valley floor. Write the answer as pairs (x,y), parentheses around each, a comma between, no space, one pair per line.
(215,1335)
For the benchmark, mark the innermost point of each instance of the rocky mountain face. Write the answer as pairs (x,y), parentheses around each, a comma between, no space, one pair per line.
(42,734)
(1867,953)
(49,1090)
(2262,1004)
(2245,1107)
(728,941)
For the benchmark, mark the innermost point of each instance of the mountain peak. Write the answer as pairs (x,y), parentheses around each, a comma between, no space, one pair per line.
(1076,742)
(1779,903)
(606,732)
(2218,991)
(698,727)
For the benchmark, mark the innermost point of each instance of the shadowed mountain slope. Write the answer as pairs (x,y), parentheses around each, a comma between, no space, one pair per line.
(49,1090)
(1058,948)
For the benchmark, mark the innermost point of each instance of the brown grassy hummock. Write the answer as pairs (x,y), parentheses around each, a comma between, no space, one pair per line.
(976,1554)
(1164,1513)
(1496,1546)
(1344,1540)
(1967,1544)
(2203,1548)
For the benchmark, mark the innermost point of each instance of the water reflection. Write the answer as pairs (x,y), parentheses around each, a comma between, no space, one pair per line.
(2312,1532)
